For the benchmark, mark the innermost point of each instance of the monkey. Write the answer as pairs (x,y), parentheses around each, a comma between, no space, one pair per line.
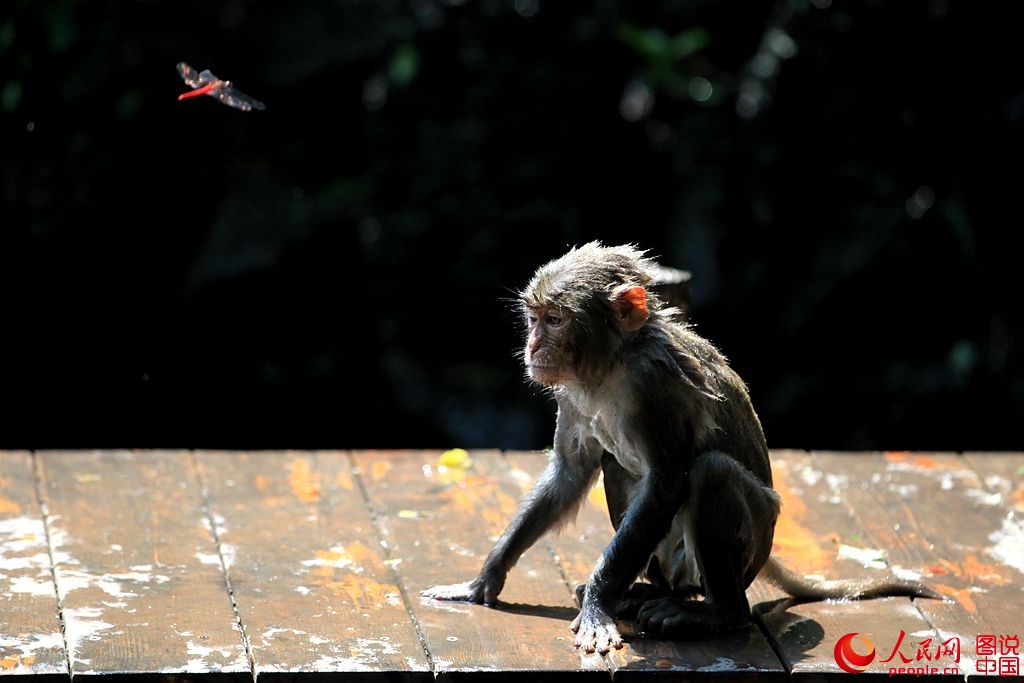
(656,408)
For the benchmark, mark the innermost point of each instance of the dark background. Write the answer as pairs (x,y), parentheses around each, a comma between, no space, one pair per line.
(843,180)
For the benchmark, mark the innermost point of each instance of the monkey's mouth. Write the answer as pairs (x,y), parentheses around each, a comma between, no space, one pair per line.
(544,374)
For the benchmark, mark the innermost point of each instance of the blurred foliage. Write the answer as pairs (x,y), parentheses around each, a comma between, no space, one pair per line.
(840,178)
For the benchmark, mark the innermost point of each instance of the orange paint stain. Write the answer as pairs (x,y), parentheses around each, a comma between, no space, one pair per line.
(351,556)
(897,456)
(935,570)
(341,571)
(360,554)
(962,596)
(379,470)
(332,556)
(469,494)
(344,481)
(972,570)
(1018,497)
(10,662)
(364,593)
(304,483)
(795,543)
(917,460)
(9,507)
(480,497)
(261,483)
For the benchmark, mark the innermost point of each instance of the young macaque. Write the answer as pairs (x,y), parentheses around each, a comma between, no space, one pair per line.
(656,408)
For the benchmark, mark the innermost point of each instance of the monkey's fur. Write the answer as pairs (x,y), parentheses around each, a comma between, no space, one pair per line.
(657,408)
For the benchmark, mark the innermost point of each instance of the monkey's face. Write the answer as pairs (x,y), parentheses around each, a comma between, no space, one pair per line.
(548,354)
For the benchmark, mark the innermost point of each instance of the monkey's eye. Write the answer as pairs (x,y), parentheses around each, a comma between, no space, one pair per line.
(554,320)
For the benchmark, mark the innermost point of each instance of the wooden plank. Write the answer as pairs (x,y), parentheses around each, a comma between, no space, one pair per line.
(137,570)
(1002,473)
(439,523)
(30,638)
(941,516)
(308,572)
(818,534)
(741,655)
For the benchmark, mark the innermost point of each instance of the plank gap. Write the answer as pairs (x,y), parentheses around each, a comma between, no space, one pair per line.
(390,559)
(44,509)
(225,566)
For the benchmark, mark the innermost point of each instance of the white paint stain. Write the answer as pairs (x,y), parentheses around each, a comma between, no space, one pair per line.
(205,659)
(208,558)
(271,632)
(872,558)
(114,584)
(228,553)
(27,585)
(218,528)
(364,654)
(904,490)
(21,534)
(79,625)
(720,664)
(24,559)
(985,497)
(447,605)
(69,580)
(11,564)
(348,664)
(906,574)
(837,481)
(1008,544)
(226,556)
(29,648)
(337,558)
(204,652)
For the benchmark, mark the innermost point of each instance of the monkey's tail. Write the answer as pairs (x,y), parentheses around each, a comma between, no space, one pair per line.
(808,590)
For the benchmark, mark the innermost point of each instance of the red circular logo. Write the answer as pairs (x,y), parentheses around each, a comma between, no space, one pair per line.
(848,659)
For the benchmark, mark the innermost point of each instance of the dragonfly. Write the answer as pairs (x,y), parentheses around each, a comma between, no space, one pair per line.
(205,83)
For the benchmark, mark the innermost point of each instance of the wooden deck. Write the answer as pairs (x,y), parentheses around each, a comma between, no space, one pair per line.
(297,564)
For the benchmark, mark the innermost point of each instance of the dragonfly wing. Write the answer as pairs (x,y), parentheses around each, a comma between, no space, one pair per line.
(206,76)
(237,99)
(189,75)
(194,79)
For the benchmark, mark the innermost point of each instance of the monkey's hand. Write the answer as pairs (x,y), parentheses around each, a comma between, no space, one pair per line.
(595,632)
(481,590)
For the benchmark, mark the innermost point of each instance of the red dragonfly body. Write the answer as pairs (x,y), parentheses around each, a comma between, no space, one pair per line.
(205,83)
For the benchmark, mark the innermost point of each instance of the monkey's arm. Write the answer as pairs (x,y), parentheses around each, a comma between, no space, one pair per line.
(646,522)
(557,494)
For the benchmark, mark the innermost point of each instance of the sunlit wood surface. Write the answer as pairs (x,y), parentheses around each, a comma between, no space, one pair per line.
(230,565)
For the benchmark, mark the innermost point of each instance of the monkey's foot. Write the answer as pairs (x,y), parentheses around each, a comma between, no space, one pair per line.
(596,635)
(458,592)
(682,618)
(638,594)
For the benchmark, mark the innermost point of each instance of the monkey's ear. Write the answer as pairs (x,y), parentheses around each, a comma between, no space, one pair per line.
(631,303)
